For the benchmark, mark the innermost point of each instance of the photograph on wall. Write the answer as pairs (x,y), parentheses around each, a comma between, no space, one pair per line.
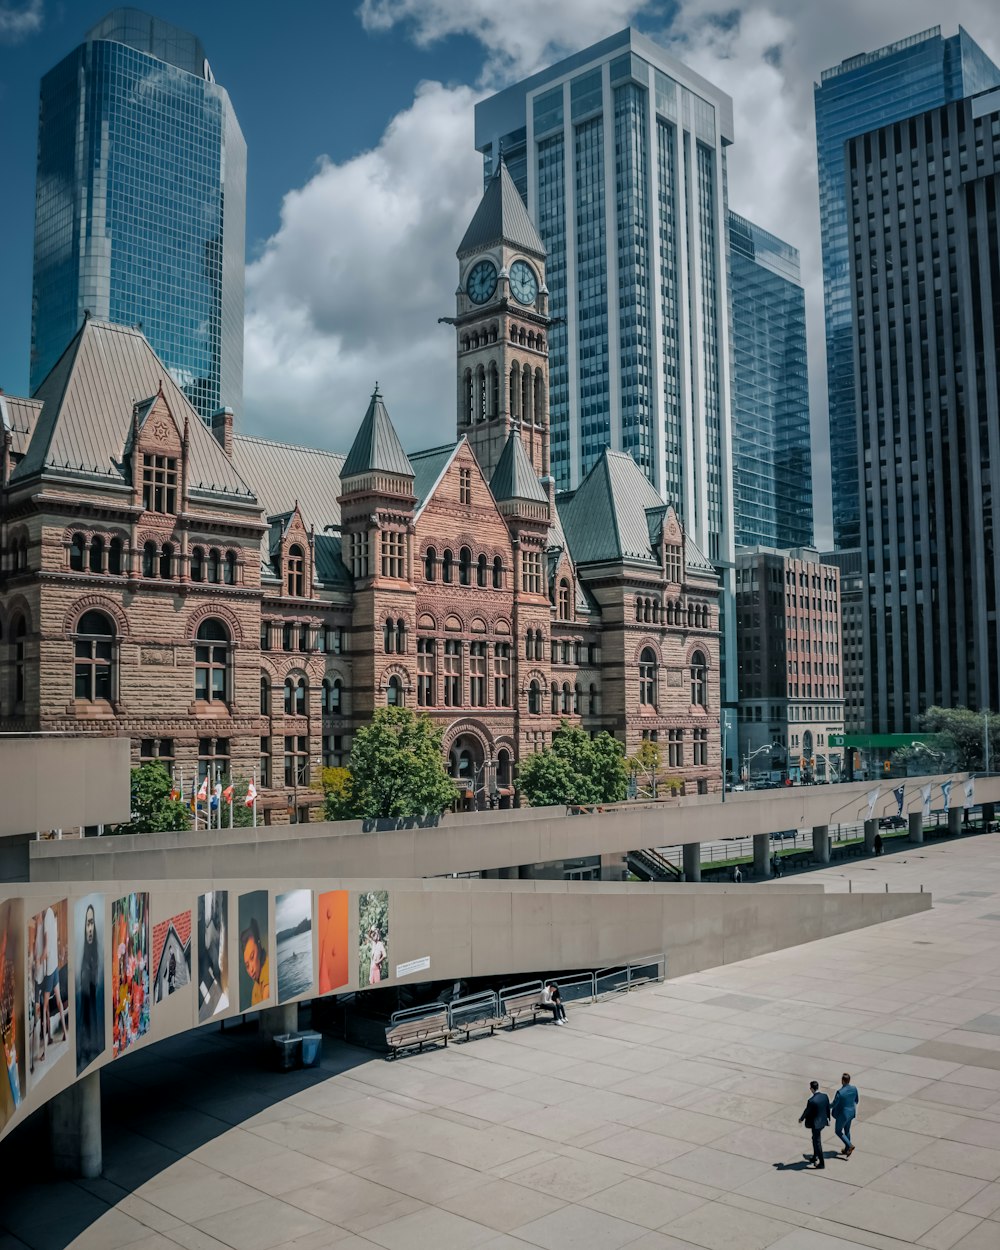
(47,1003)
(129,971)
(255,964)
(213,954)
(11,1010)
(171,955)
(373,926)
(88,943)
(332,912)
(293,939)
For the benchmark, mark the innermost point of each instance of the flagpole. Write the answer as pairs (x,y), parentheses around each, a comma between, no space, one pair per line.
(255,800)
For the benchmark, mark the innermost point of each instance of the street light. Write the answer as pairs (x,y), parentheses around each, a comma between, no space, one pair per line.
(748,758)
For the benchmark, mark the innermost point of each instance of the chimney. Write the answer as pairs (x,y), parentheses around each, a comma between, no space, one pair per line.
(222,428)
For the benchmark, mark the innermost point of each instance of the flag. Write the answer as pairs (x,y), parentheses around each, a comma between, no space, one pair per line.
(970,792)
(872,800)
(227,794)
(251,798)
(203,791)
(216,795)
(897,794)
(946,793)
(177,795)
(925,792)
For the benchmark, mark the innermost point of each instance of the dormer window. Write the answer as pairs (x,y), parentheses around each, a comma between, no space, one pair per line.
(295,571)
(159,483)
(673,563)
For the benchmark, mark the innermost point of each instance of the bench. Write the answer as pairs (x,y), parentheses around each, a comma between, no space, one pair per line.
(524,1005)
(409,1033)
(488,1021)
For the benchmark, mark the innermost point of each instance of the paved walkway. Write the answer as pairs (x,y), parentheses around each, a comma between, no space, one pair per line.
(663,1120)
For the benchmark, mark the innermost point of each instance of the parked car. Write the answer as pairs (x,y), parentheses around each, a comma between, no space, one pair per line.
(892,822)
(785,833)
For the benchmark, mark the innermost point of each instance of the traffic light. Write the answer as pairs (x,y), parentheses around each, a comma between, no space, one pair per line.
(886,766)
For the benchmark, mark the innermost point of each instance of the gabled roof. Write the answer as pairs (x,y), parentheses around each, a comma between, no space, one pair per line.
(514,477)
(377,446)
(282,474)
(502,218)
(19,416)
(86,417)
(428,466)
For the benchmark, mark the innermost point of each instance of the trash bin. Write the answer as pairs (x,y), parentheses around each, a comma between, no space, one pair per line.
(312,1048)
(287,1051)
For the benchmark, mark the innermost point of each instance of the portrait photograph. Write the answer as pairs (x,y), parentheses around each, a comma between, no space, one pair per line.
(373,929)
(255,962)
(293,938)
(88,945)
(213,954)
(129,971)
(332,910)
(12,1011)
(171,955)
(47,992)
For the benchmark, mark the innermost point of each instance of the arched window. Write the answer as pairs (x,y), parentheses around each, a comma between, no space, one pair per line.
(388,635)
(76,550)
(465,567)
(515,386)
(503,768)
(296,695)
(539,644)
(265,695)
(229,571)
(576,699)
(535,699)
(149,559)
(699,675)
(497,573)
(638,610)
(400,636)
(567,700)
(294,581)
(197,564)
(447,564)
(332,691)
(115,557)
(394,693)
(647,678)
(647,610)
(593,705)
(94,657)
(493,385)
(470,401)
(166,561)
(554,707)
(501,674)
(481,572)
(211,662)
(96,555)
(539,394)
(213,565)
(564,600)
(430,564)
(19,633)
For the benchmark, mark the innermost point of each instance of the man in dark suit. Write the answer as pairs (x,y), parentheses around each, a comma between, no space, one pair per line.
(816,1117)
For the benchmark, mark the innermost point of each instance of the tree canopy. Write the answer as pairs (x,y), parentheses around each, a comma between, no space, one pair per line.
(153,810)
(955,741)
(575,769)
(396,770)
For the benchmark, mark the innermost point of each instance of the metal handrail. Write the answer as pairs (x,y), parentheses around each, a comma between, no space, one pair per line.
(512,991)
(480,1006)
(416,1013)
(576,987)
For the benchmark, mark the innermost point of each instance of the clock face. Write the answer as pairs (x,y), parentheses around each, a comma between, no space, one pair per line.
(482,281)
(523,282)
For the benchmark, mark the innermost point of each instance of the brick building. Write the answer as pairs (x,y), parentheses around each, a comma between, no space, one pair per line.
(239,606)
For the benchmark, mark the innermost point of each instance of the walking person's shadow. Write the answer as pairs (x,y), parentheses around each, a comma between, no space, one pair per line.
(804,1164)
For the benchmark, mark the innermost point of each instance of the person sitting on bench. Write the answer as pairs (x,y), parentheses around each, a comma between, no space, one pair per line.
(552,1001)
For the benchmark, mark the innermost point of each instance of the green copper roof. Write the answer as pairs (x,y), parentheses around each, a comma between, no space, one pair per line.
(502,218)
(377,446)
(514,477)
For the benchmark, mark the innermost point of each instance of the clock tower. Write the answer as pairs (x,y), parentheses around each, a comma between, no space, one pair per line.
(502,325)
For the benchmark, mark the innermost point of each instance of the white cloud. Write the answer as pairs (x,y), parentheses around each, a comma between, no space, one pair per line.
(18,21)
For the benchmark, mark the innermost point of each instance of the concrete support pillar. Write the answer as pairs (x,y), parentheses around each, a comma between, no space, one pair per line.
(871,828)
(821,844)
(762,855)
(75,1128)
(955,815)
(988,815)
(691,852)
(916,822)
(277,1020)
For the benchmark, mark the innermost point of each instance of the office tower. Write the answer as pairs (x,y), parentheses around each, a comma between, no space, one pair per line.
(619,154)
(772,465)
(926,269)
(852,635)
(791,698)
(140,205)
(862,92)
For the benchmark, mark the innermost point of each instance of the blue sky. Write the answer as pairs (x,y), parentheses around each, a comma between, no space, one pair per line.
(362,174)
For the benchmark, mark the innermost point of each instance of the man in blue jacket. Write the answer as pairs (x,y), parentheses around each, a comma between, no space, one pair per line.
(845,1108)
(816,1117)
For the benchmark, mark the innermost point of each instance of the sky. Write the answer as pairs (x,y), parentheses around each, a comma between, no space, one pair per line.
(362,175)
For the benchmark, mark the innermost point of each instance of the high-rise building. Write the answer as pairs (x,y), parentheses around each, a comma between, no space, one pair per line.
(619,153)
(852,635)
(924,197)
(772,464)
(791,709)
(873,89)
(140,205)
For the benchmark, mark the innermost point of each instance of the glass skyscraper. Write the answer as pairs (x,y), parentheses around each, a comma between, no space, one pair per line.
(140,205)
(772,466)
(865,91)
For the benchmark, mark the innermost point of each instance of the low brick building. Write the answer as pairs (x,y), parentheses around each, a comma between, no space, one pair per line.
(239,606)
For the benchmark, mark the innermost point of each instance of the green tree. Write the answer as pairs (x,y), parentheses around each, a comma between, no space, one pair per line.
(645,764)
(396,770)
(575,769)
(953,739)
(153,810)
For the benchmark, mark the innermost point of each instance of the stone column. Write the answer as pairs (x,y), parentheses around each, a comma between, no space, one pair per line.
(955,815)
(691,856)
(762,855)
(988,816)
(75,1128)
(871,828)
(821,844)
(276,1020)
(916,821)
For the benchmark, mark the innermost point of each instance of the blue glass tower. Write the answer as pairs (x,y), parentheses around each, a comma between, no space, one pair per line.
(873,89)
(772,463)
(140,205)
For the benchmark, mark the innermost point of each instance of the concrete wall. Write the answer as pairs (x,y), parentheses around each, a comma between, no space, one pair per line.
(456,928)
(62,782)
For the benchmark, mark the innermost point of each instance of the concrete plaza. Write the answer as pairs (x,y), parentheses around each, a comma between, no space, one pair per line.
(660,1120)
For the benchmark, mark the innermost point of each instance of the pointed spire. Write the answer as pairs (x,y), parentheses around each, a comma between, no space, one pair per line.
(502,218)
(514,477)
(377,447)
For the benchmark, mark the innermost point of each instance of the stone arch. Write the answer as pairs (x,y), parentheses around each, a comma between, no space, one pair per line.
(453,624)
(96,603)
(396,670)
(501,627)
(427,621)
(477,625)
(214,609)
(470,728)
(534,674)
(647,641)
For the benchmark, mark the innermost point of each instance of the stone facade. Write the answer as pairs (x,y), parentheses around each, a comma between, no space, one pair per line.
(240,607)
